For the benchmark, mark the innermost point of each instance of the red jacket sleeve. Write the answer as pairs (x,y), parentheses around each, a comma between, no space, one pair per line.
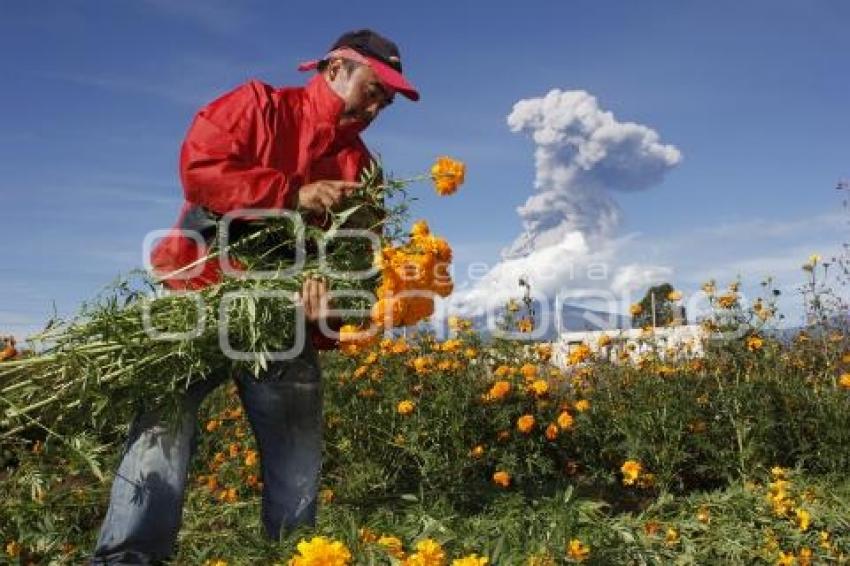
(219,167)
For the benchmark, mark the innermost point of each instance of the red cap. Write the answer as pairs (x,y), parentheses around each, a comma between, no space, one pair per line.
(370,48)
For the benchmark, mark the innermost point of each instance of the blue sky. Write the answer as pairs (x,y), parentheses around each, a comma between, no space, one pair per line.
(98,95)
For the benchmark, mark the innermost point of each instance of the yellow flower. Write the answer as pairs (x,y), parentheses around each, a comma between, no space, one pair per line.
(502,478)
(215,562)
(579,354)
(457,323)
(540,560)
(477,451)
(582,405)
(448,174)
(672,537)
(320,551)
(353,338)
(804,519)
(704,515)
(512,306)
(786,559)
(251,458)
(539,387)
(428,553)
(471,560)
(13,549)
(525,325)
(631,470)
(727,300)
(754,343)
(544,350)
(422,364)
(674,295)
(392,545)
(577,550)
(844,380)
(405,407)
(636,309)
(420,229)
(212,425)
(603,341)
(551,431)
(525,423)
(779,472)
(565,420)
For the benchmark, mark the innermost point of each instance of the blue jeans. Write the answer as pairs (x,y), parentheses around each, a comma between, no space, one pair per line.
(284,408)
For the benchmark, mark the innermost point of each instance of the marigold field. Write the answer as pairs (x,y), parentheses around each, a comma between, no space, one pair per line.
(466,452)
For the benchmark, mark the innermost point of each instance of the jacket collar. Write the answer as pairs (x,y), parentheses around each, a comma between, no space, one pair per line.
(324,104)
(324,107)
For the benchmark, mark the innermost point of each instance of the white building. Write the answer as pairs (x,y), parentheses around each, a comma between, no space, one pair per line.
(667,341)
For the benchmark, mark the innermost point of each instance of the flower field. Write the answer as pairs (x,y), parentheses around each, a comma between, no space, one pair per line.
(466,452)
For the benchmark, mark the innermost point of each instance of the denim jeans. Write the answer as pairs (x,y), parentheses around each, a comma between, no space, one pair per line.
(284,408)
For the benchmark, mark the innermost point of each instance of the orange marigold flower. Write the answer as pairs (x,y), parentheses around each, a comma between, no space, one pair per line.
(525,423)
(582,405)
(551,431)
(422,364)
(502,478)
(321,550)
(528,371)
(631,470)
(565,420)
(477,451)
(503,371)
(844,380)
(579,354)
(251,458)
(405,407)
(754,343)
(499,391)
(448,174)
(428,553)
(353,338)
(577,550)
(420,229)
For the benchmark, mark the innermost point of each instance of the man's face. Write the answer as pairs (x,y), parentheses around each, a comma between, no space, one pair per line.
(362,92)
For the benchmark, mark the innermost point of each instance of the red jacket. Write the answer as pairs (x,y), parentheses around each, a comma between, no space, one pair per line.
(254,147)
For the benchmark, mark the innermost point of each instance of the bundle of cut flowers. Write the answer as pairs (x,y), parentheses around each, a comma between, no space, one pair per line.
(136,347)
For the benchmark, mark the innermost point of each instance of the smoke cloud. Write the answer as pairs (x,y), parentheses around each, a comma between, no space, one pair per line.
(583,156)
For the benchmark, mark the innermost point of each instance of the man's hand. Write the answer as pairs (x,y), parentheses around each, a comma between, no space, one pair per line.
(320,197)
(314,298)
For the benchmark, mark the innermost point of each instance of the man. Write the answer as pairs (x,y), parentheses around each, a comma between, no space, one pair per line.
(255,147)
